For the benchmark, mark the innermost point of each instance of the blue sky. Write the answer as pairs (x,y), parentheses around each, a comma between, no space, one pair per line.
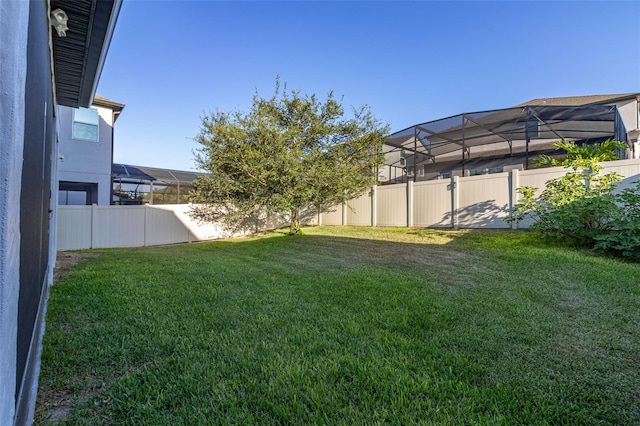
(171,62)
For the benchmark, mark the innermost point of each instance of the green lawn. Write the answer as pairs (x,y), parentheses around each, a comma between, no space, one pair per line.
(345,326)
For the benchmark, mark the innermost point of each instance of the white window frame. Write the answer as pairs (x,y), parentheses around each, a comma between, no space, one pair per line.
(74,121)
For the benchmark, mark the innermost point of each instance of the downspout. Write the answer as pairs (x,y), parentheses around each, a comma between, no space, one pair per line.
(528,139)
(415,153)
(113,122)
(463,144)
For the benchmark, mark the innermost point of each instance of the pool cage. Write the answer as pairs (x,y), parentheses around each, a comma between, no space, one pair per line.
(495,140)
(137,185)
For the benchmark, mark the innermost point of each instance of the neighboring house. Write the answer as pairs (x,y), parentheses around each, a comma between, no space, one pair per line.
(41,67)
(85,153)
(628,105)
(501,140)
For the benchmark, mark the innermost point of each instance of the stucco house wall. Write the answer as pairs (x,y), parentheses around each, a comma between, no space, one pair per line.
(28,164)
(14,21)
(26,259)
(630,114)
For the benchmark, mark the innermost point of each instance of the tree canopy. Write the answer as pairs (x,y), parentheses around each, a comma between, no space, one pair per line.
(287,153)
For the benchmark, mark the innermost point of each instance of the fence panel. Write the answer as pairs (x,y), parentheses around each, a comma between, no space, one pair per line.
(392,205)
(359,210)
(483,201)
(432,203)
(194,229)
(74,227)
(118,226)
(332,216)
(629,169)
(309,216)
(163,226)
(539,177)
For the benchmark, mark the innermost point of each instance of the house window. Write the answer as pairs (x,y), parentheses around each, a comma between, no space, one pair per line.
(72,198)
(533,129)
(85,124)
(77,193)
(419,168)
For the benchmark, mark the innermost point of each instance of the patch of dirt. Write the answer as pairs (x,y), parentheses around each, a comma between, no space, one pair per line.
(67,260)
(52,407)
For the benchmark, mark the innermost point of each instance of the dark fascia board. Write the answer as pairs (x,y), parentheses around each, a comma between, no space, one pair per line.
(79,57)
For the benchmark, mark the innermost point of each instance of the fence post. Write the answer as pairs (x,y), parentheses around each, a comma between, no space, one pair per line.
(514,181)
(144,225)
(374,206)
(455,201)
(409,203)
(344,213)
(189,224)
(93,225)
(319,216)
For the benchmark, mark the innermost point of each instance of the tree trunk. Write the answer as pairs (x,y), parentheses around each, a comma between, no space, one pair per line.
(293,228)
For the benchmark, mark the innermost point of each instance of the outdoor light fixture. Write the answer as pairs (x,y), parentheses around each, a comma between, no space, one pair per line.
(58,19)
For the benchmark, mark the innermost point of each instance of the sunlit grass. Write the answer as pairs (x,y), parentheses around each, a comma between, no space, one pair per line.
(346,326)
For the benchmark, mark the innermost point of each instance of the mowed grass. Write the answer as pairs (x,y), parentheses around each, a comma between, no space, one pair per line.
(345,326)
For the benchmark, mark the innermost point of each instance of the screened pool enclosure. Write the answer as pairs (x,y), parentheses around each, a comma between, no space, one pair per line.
(135,185)
(495,140)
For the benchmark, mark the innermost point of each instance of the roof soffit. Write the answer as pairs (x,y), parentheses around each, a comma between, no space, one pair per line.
(78,58)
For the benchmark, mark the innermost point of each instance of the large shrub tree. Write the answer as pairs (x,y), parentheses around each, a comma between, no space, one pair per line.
(289,152)
(584,204)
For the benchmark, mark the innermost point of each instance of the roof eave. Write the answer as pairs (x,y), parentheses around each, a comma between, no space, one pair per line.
(100,44)
(582,100)
(78,68)
(114,106)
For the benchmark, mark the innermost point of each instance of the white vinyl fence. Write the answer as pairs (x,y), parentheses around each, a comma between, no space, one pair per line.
(83,227)
(461,202)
